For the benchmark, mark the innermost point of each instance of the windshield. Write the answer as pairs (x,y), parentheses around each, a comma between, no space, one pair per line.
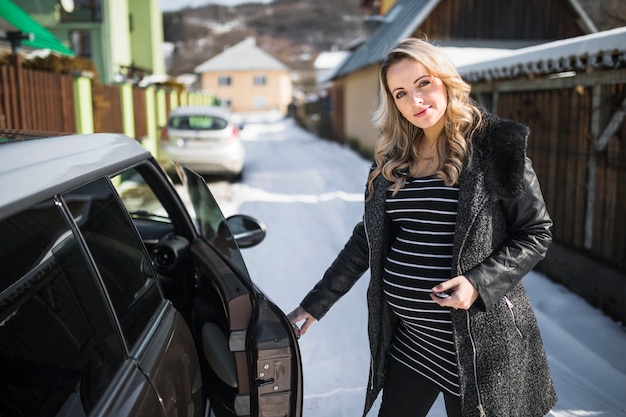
(211,224)
(198,122)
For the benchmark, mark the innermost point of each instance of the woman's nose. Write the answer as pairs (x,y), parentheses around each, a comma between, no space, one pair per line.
(416,98)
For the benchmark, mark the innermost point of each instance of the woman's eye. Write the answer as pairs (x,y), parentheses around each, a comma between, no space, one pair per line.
(400,95)
(424,83)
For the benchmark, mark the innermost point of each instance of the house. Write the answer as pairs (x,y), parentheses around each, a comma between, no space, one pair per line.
(247,79)
(123,38)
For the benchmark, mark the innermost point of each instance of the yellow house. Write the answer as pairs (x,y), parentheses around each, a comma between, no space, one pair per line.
(247,79)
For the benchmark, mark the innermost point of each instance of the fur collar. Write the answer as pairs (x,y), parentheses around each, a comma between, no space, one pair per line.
(499,151)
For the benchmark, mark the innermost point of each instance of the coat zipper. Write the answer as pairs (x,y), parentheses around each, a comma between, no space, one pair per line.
(369,252)
(480,407)
(509,304)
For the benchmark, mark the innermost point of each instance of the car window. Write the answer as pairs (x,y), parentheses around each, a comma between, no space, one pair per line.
(210,222)
(118,254)
(58,347)
(138,198)
(198,122)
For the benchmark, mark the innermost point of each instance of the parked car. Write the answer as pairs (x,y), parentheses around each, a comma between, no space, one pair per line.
(203,139)
(118,300)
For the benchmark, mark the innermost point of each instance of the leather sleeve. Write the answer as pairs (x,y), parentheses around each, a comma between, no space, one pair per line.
(348,267)
(528,240)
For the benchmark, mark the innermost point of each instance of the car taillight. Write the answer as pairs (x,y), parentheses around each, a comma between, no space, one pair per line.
(235,133)
(165,135)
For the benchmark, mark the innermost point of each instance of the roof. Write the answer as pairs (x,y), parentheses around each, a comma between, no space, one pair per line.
(244,56)
(400,23)
(602,49)
(13,18)
(35,169)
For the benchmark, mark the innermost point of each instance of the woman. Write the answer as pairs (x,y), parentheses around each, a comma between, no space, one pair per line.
(454,218)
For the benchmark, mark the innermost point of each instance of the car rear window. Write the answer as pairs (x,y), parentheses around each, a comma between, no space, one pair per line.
(198,122)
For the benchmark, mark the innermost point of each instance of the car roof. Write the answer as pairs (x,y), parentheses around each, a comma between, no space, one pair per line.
(34,169)
(196,110)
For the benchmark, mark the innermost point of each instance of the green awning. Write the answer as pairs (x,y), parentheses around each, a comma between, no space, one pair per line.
(14,18)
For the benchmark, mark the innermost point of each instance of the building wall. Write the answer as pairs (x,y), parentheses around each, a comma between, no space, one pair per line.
(115,39)
(502,20)
(244,96)
(146,35)
(112,43)
(360,97)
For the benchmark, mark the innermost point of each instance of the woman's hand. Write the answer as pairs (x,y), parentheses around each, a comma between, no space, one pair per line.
(462,293)
(298,315)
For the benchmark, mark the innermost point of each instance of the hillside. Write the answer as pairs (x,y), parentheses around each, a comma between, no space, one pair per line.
(294,31)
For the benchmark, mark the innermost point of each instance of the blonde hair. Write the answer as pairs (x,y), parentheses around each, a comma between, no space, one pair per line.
(397,148)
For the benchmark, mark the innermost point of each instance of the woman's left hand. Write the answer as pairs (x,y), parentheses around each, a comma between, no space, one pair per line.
(462,293)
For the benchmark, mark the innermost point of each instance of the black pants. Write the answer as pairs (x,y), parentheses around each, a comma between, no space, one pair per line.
(408,394)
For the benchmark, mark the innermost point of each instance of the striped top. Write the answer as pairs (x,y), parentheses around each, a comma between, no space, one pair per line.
(420,258)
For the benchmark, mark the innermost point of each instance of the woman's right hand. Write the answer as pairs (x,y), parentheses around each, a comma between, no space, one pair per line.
(298,315)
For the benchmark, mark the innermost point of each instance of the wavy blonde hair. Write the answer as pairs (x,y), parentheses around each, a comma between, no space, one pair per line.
(397,148)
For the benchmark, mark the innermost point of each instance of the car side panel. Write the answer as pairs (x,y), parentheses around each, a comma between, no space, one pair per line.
(170,361)
(130,395)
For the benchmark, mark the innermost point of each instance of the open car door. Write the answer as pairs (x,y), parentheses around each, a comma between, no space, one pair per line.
(250,352)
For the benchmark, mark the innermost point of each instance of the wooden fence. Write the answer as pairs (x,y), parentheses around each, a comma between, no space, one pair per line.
(107,109)
(35,100)
(588,215)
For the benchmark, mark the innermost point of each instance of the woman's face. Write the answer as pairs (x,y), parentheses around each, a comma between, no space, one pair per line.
(420,97)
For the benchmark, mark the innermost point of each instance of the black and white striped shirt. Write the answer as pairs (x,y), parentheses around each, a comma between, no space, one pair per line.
(420,258)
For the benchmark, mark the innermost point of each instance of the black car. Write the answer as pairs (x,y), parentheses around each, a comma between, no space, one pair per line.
(116,299)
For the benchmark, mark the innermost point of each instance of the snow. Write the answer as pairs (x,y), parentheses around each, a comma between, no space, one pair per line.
(309,193)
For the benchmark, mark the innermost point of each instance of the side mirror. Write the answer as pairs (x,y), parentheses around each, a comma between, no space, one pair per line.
(246,230)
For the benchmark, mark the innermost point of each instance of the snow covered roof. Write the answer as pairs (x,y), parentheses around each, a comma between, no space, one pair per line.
(244,56)
(399,23)
(602,49)
(329,59)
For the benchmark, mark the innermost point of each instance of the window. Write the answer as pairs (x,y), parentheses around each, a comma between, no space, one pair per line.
(80,41)
(84,11)
(260,102)
(198,122)
(58,347)
(119,255)
(260,80)
(224,81)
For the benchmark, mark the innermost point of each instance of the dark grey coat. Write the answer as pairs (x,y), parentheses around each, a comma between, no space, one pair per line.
(502,231)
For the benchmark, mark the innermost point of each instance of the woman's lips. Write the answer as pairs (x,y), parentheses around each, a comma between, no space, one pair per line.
(421,113)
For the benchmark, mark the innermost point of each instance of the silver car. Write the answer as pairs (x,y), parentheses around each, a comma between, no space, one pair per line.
(203,139)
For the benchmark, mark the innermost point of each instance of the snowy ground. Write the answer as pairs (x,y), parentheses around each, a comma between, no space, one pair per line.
(308,192)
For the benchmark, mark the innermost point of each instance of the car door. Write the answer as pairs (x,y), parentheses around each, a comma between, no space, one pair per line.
(164,375)
(249,346)
(61,351)
(247,350)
